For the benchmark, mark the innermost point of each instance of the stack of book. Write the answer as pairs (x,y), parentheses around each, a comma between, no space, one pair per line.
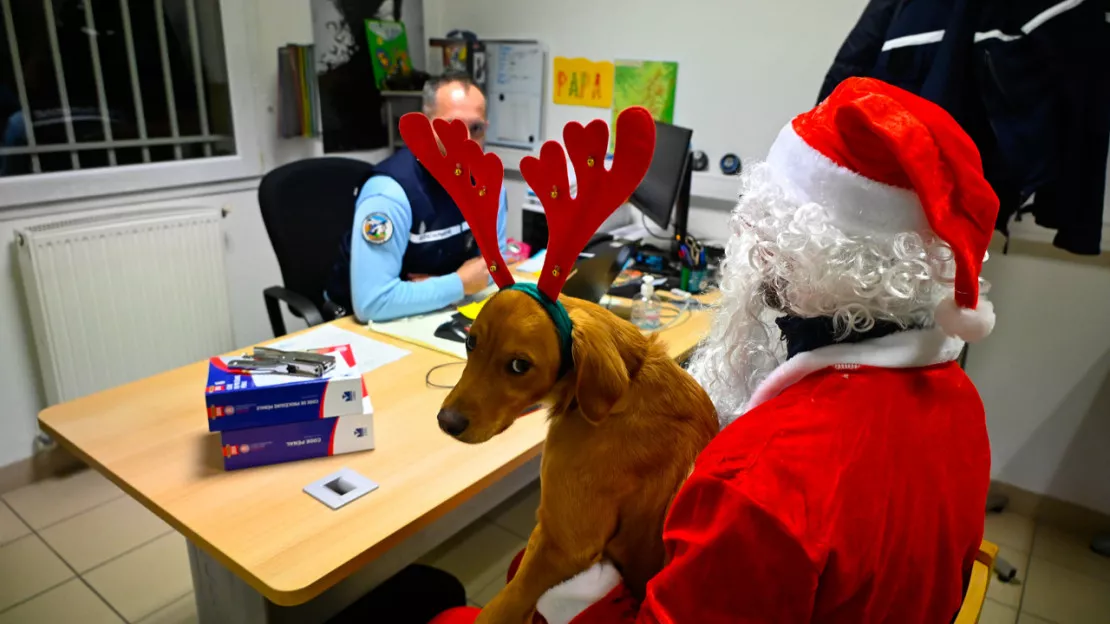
(265,416)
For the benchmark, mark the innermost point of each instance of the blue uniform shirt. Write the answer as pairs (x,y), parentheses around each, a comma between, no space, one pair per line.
(379,291)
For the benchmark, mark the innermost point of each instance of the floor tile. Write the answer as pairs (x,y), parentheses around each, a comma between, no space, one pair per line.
(477,555)
(46,502)
(1010,529)
(145,579)
(997,613)
(1070,551)
(518,514)
(1065,596)
(71,601)
(1027,618)
(102,533)
(11,527)
(181,611)
(1010,593)
(484,595)
(28,567)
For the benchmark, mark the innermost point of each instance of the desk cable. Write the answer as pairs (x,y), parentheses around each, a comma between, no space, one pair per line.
(428,377)
(680,314)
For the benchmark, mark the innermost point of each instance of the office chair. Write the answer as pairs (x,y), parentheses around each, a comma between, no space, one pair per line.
(308,207)
(977,586)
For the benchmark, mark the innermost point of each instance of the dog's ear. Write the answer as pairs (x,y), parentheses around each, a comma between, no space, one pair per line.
(602,377)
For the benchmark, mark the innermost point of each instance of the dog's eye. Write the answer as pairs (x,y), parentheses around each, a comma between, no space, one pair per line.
(519,366)
(471,342)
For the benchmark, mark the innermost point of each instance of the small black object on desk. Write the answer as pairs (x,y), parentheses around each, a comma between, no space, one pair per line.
(455,330)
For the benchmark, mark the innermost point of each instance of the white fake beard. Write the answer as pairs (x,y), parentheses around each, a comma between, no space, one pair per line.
(743,344)
(789,248)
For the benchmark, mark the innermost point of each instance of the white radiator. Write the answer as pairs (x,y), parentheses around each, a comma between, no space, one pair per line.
(117,298)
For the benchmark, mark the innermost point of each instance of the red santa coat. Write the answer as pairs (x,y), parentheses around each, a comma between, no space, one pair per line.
(852,490)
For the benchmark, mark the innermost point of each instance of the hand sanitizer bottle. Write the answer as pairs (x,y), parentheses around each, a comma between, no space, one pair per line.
(645,309)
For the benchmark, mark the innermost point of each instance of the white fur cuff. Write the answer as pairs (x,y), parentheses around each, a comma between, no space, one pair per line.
(967,325)
(566,601)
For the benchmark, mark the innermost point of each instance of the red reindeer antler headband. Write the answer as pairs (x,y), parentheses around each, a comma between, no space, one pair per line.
(473,180)
(571,221)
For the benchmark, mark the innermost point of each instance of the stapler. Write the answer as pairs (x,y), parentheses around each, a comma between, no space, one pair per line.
(300,363)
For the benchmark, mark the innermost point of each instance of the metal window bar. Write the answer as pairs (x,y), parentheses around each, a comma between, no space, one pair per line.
(60,75)
(167,78)
(34,149)
(21,88)
(117,144)
(136,91)
(98,78)
(198,71)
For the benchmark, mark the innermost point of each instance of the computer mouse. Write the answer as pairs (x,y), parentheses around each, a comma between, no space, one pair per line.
(451,331)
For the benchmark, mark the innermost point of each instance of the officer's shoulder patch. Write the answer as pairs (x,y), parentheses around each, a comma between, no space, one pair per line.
(377,229)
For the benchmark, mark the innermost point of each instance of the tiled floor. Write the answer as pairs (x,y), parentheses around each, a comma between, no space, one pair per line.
(78,549)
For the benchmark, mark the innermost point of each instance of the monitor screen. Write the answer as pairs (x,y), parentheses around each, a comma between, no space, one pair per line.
(657,194)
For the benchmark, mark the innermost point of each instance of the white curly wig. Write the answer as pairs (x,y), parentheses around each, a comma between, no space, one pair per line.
(785,256)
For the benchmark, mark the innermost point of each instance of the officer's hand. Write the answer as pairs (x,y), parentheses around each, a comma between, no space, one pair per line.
(474,275)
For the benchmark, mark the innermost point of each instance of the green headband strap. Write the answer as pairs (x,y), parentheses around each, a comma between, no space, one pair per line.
(558,315)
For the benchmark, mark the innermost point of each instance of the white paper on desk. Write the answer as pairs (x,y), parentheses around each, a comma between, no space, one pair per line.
(369,353)
(421,330)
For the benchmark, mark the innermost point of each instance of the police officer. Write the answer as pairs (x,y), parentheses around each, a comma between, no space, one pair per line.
(410,250)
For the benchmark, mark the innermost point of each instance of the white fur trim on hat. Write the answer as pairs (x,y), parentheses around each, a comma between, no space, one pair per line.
(567,600)
(963,323)
(855,204)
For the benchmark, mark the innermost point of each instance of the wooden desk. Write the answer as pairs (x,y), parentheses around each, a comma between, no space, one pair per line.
(150,437)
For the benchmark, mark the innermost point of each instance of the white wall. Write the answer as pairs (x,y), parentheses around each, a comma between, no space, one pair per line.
(1044,375)
(745,67)
(727,52)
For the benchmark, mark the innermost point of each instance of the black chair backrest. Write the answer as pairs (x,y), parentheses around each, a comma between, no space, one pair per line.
(308,207)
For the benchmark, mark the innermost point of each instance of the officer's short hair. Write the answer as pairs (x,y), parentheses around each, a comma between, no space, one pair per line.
(433,85)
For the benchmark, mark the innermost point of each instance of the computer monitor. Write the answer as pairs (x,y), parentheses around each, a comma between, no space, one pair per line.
(667,180)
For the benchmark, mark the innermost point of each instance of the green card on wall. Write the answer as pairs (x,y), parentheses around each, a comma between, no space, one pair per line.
(389,49)
(650,84)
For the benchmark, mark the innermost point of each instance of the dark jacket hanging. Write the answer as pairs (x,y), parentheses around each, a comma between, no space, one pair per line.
(1029,80)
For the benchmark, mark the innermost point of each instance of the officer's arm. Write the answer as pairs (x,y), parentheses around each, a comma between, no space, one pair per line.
(502,221)
(377,291)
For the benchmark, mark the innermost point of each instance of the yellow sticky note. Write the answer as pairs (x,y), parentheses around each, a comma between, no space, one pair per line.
(582,82)
(471,310)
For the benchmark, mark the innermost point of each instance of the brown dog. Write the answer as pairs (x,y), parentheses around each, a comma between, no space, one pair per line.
(626,424)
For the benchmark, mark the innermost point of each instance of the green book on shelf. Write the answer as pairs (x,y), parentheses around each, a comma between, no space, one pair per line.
(389,50)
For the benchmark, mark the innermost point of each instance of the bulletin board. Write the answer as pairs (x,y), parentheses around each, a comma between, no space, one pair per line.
(515,92)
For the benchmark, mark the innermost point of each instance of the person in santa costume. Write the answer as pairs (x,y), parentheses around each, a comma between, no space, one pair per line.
(850,481)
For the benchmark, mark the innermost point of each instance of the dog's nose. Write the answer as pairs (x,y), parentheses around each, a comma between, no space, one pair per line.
(452,421)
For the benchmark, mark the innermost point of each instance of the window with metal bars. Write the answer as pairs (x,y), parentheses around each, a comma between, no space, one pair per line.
(108,83)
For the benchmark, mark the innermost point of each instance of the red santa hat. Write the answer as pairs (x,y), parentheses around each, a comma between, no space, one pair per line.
(881,160)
